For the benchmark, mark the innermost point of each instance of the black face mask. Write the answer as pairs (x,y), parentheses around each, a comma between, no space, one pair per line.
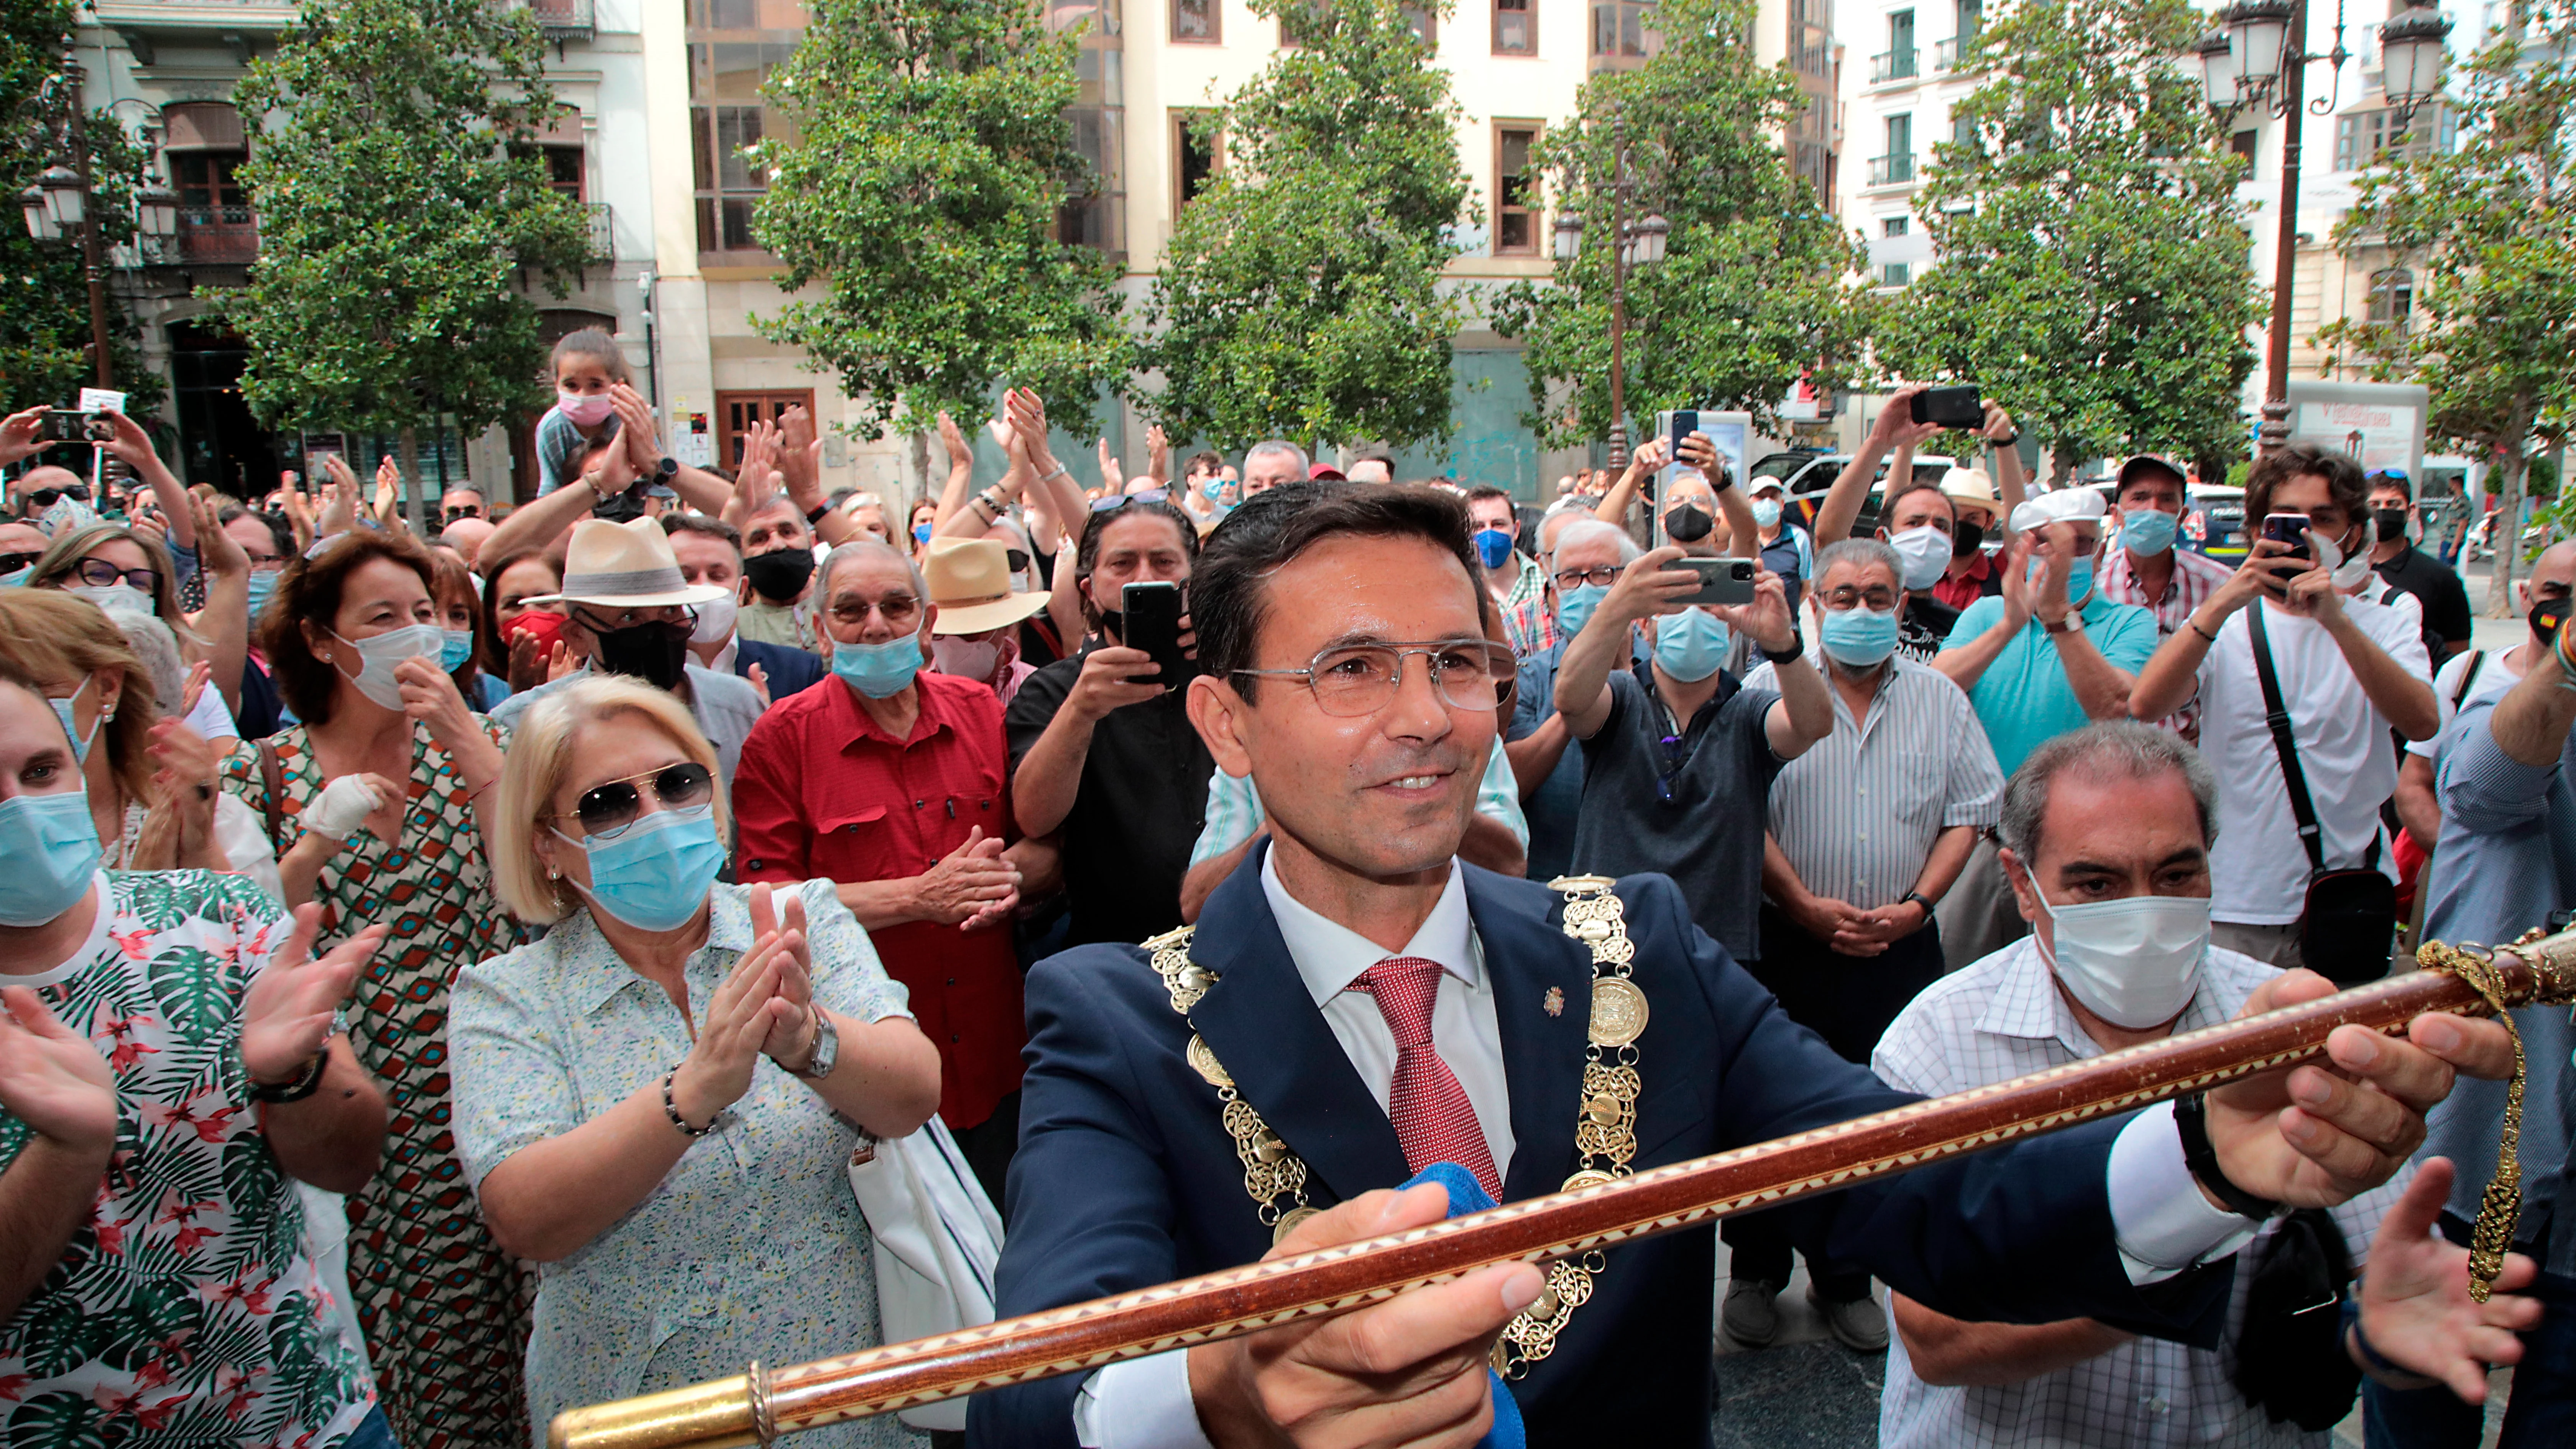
(1688,524)
(1966,538)
(2546,617)
(2388,524)
(654,653)
(780,575)
(623,507)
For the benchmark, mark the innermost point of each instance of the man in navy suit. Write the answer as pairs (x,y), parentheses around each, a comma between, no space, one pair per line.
(1348,673)
(710,552)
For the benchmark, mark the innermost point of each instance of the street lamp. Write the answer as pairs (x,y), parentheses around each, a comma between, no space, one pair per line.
(57,206)
(2411,53)
(2217,70)
(156,210)
(40,221)
(1634,244)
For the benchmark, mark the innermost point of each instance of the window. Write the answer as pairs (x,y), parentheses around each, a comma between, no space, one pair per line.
(2362,137)
(1198,22)
(1198,155)
(737,411)
(1619,30)
(1516,199)
(1895,226)
(564,171)
(205,147)
(1894,274)
(733,46)
(1515,27)
(1096,216)
(2242,143)
(1898,63)
(2392,295)
(1896,164)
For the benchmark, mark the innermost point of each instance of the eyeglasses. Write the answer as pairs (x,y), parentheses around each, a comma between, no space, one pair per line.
(605,811)
(1351,680)
(1848,597)
(634,618)
(44,497)
(98,573)
(900,610)
(1150,495)
(454,514)
(10,563)
(1605,575)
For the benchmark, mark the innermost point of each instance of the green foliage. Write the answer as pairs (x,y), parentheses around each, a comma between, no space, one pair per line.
(2092,252)
(44,293)
(921,193)
(401,204)
(1753,290)
(1301,295)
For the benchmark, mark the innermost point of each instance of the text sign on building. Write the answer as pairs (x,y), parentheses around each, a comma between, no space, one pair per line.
(2380,424)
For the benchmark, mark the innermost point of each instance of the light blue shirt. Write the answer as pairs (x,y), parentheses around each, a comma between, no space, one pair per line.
(2023,698)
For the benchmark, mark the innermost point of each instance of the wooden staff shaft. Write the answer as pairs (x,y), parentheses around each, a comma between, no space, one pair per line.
(1242,1300)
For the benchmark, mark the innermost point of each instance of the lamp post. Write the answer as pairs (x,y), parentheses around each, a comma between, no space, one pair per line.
(1637,244)
(58,204)
(2260,55)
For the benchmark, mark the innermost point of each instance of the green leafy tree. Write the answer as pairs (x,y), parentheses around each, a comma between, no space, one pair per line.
(1754,288)
(2092,253)
(402,204)
(44,292)
(920,193)
(1301,295)
(2489,231)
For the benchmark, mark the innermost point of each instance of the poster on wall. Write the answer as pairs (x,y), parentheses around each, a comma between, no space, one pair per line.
(2380,424)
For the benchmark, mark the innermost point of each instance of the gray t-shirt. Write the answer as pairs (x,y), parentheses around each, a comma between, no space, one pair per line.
(1694,809)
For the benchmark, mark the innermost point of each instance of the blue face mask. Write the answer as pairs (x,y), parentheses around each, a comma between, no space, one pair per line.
(17,578)
(263,587)
(1212,489)
(1858,638)
(1493,547)
(1574,607)
(879,671)
(1690,645)
(455,648)
(1766,513)
(2148,531)
(921,534)
(2079,577)
(655,876)
(52,848)
(80,742)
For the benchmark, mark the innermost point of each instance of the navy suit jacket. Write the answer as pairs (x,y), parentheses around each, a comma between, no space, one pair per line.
(1127,1178)
(789,670)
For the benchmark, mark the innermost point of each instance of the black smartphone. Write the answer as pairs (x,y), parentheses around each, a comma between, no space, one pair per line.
(1153,624)
(71,425)
(1951,407)
(1721,580)
(1680,423)
(2290,529)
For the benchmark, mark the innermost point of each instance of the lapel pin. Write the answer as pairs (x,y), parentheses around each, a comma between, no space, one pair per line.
(1554,1002)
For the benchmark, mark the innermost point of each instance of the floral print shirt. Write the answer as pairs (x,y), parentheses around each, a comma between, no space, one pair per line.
(186,1311)
(753,1246)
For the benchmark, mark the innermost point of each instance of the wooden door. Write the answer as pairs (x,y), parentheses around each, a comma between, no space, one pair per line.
(737,411)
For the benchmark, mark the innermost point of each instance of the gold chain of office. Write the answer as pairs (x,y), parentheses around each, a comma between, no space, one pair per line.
(1605,1135)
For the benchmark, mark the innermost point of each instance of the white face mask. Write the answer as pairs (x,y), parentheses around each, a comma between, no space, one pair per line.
(965,658)
(1925,552)
(381,652)
(715,621)
(2133,962)
(2345,574)
(117,600)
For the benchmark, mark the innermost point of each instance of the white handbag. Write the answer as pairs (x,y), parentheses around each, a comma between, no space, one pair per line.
(937,1241)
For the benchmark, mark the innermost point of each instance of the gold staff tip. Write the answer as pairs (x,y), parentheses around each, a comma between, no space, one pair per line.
(712,1415)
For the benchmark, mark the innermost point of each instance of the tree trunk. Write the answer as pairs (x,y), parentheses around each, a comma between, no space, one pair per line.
(416,506)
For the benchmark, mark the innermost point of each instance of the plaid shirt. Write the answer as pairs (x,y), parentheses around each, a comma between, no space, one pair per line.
(1529,624)
(2196,576)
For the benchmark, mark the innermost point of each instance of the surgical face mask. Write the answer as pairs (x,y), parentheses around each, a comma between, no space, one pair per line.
(51,844)
(454,648)
(2133,962)
(1924,551)
(879,671)
(117,600)
(780,574)
(17,577)
(1493,547)
(1212,489)
(1690,645)
(63,712)
(263,587)
(1766,513)
(586,410)
(965,658)
(1688,524)
(381,652)
(656,874)
(1574,607)
(1858,638)
(2147,532)
(921,534)
(2344,573)
(656,653)
(2079,578)
(715,620)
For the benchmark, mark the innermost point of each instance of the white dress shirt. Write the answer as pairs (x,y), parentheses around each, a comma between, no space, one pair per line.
(2159,1218)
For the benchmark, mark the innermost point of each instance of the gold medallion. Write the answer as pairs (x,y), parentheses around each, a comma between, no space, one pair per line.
(1203,1060)
(1289,1222)
(1618,1011)
(1588,1177)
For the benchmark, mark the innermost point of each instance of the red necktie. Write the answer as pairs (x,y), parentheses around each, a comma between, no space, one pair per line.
(1434,1121)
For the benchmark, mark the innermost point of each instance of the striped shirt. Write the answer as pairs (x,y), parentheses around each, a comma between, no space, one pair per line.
(2196,576)
(2003,1017)
(1234,812)
(1857,813)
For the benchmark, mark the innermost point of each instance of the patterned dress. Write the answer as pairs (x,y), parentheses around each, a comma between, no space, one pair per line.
(186,1310)
(445,1310)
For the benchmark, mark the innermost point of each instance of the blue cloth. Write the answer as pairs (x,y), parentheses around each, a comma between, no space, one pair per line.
(2023,698)
(1126,1176)
(790,671)
(1466,1195)
(373,1432)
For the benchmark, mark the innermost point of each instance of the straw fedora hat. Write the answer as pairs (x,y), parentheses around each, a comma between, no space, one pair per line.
(970,581)
(1972,488)
(626,566)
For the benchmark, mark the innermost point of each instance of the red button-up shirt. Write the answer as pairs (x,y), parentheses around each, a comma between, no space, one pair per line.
(822,790)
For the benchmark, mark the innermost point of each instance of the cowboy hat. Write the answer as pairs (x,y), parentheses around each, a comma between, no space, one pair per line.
(625,566)
(970,581)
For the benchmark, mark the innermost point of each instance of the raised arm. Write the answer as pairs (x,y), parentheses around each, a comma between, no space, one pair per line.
(1965,663)
(800,464)
(2003,437)
(1583,678)
(1894,429)
(133,447)
(535,525)
(225,621)
(1650,455)
(2174,671)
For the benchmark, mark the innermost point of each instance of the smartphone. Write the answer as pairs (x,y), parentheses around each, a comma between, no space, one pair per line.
(2290,529)
(1951,407)
(1676,425)
(1153,618)
(1721,580)
(72,425)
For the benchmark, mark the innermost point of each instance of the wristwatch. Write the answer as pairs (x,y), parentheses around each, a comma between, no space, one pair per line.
(1797,646)
(1917,898)
(2073,623)
(827,1048)
(2191,1124)
(302,1085)
(667,469)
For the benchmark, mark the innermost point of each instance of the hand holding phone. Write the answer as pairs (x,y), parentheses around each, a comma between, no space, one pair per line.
(1152,622)
(1951,407)
(1721,580)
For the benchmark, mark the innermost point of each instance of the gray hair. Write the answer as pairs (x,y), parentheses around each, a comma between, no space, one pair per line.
(158,648)
(1867,552)
(1276,448)
(863,548)
(2120,749)
(1582,529)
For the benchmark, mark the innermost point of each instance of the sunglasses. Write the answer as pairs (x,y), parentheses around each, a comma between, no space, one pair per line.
(44,497)
(457,514)
(98,573)
(1018,558)
(1112,505)
(605,811)
(10,563)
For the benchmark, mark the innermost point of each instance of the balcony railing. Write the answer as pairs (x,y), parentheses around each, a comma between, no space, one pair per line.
(603,232)
(562,19)
(1891,170)
(1893,65)
(1945,54)
(217,235)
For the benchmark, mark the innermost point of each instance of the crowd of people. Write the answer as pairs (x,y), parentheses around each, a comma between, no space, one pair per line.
(448,971)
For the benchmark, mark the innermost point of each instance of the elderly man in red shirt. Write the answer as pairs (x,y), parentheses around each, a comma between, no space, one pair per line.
(894,783)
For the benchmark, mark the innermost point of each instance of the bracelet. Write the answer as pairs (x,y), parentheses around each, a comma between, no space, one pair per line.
(671,1110)
(1917,898)
(1797,646)
(2191,1123)
(2004,442)
(2194,621)
(814,515)
(1061,471)
(302,1085)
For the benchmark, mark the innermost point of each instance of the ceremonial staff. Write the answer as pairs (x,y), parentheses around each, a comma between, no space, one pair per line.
(764,1403)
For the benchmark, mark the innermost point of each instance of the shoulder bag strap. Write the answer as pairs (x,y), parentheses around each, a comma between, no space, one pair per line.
(2277,715)
(2468,676)
(272,801)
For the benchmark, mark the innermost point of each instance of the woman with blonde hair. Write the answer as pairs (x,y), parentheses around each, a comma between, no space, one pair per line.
(656,1101)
